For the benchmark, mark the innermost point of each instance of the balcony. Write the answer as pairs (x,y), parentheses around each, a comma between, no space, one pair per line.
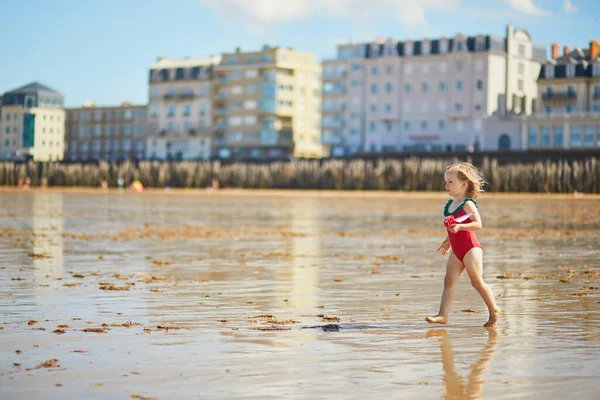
(548,96)
(329,108)
(332,124)
(332,137)
(564,116)
(334,74)
(222,111)
(179,96)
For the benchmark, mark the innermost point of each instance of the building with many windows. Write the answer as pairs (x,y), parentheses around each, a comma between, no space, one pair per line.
(180,109)
(32,123)
(429,95)
(267,105)
(110,133)
(568,116)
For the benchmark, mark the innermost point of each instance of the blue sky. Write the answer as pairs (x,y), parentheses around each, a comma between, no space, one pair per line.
(102,50)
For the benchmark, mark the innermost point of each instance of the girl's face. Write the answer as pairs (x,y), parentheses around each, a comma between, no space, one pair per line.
(454,187)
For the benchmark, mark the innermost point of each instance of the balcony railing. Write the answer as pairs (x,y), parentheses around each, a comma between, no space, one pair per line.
(562,115)
(179,96)
(334,74)
(559,95)
(332,123)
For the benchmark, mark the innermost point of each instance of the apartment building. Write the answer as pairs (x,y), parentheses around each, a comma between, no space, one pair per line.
(110,133)
(32,123)
(429,94)
(180,109)
(568,116)
(267,105)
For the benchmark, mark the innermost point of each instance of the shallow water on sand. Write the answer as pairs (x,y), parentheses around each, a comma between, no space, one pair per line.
(307,296)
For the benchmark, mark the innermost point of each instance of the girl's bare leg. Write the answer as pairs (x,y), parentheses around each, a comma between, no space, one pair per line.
(473,262)
(453,270)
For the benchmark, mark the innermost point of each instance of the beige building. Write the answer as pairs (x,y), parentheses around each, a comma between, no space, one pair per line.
(267,105)
(429,94)
(568,115)
(180,109)
(105,132)
(32,124)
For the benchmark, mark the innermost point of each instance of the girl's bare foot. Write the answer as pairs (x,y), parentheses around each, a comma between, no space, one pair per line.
(494,315)
(438,319)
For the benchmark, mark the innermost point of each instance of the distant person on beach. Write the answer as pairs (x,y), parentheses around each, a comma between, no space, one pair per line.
(463,182)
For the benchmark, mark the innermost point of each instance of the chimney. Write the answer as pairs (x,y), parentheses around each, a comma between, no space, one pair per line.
(554,51)
(594,50)
(565,50)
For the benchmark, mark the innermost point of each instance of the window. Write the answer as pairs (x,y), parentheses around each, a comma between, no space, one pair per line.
(459,46)
(477,107)
(459,86)
(569,108)
(372,127)
(171,110)
(407,87)
(545,140)
(441,125)
(356,67)
(106,146)
(355,84)
(187,110)
(373,89)
(425,68)
(8,117)
(549,71)
(374,71)
(388,108)
(153,110)
(97,115)
(588,136)
(443,87)
(250,89)
(115,145)
(459,126)
(479,85)
(532,140)
(477,125)
(548,110)
(127,130)
(171,127)
(8,130)
(388,126)
(187,126)
(388,88)
(406,126)
(127,115)
(139,130)
(202,110)
(84,131)
(521,49)
(373,108)
(424,87)
(458,107)
(570,70)
(140,113)
(521,68)
(575,136)
(97,130)
(520,85)
(558,136)
(424,126)
(460,66)
(389,70)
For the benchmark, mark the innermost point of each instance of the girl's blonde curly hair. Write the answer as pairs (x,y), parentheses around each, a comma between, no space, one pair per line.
(468,173)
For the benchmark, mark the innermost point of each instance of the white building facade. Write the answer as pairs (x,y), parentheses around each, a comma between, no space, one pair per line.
(180,109)
(32,124)
(568,116)
(429,95)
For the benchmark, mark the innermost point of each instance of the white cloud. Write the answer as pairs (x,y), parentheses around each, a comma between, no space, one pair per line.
(526,7)
(570,7)
(258,14)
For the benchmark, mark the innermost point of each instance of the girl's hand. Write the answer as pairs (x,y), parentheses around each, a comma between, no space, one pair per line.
(445,247)
(455,228)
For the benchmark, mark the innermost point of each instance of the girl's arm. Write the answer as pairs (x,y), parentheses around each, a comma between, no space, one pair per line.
(476,224)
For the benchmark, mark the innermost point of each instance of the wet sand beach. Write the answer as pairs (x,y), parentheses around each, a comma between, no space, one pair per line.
(284,294)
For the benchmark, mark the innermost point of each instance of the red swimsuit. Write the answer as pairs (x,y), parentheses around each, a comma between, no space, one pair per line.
(461,241)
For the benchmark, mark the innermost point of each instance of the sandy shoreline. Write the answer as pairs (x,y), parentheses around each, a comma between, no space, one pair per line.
(289,193)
